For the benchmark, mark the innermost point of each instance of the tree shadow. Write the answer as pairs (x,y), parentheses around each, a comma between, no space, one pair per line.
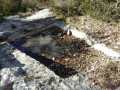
(8,60)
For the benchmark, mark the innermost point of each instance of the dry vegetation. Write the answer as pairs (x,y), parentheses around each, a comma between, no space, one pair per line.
(107,33)
(107,77)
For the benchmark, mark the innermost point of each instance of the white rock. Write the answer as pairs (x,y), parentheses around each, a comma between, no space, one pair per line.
(106,50)
(75,78)
(39,15)
(64,86)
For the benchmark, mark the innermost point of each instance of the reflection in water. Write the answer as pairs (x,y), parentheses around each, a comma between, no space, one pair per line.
(43,45)
(53,48)
(58,68)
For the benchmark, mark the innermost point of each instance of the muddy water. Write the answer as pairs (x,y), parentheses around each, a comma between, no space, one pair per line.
(45,46)
(54,48)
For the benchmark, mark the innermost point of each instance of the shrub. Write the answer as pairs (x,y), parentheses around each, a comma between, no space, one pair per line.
(25,4)
(105,10)
(68,8)
(46,3)
(10,7)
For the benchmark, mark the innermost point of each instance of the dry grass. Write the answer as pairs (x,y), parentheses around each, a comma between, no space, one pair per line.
(107,33)
(106,77)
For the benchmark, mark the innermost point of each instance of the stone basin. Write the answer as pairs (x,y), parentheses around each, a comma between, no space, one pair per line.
(52,47)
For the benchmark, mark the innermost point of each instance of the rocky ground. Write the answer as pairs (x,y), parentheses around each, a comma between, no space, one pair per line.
(19,71)
(103,32)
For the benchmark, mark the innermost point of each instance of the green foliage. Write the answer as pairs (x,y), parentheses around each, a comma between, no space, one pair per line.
(109,1)
(68,8)
(65,11)
(46,3)
(8,7)
(27,4)
(105,10)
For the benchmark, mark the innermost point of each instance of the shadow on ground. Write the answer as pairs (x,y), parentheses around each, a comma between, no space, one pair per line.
(28,26)
(7,60)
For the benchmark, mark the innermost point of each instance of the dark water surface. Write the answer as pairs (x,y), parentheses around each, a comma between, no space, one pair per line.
(45,43)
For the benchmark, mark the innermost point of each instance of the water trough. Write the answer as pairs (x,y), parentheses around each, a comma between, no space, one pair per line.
(46,45)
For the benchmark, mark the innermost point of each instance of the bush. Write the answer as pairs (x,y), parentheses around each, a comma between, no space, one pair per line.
(105,10)
(26,4)
(10,7)
(46,3)
(68,8)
